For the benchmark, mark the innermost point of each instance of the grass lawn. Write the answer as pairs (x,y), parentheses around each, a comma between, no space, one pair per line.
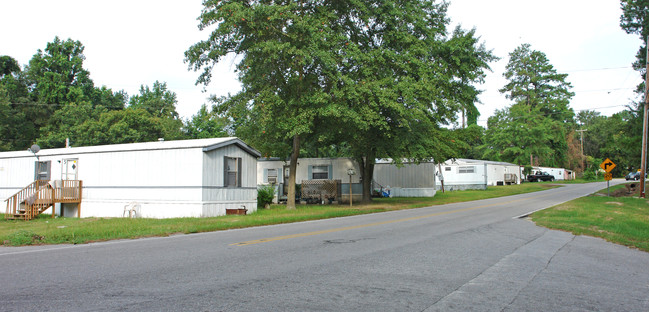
(622,220)
(581,180)
(45,230)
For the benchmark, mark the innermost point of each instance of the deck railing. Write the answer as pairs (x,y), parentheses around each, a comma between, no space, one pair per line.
(14,202)
(41,195)
(69,191)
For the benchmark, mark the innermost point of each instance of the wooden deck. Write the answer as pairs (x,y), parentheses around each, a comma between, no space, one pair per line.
(41,195)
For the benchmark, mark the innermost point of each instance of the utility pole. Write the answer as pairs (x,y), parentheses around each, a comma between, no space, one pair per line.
(643,166)
(581,132)
(463,118)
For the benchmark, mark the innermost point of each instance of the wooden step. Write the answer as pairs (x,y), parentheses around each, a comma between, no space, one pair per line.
(16,217)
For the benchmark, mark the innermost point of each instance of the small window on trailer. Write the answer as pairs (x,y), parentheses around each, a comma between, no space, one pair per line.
(42,170)
(320,172)
(466,169)
(272,176)
(232,171)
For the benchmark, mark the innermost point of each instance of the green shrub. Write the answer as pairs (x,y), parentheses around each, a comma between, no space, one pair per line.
(527,170)
(265,195)
(589,175)
(23,237)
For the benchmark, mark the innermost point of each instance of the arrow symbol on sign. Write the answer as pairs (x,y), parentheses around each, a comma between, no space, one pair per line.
(606,165)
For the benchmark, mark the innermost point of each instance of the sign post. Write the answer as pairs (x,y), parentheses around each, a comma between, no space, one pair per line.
(350,172)
(608,165)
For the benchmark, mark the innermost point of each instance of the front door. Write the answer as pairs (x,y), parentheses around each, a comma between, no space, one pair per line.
(69,169)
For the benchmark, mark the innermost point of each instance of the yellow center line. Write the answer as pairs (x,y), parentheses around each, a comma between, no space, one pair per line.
(277,238)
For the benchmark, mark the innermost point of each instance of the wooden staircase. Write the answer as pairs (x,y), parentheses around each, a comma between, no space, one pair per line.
(41,195)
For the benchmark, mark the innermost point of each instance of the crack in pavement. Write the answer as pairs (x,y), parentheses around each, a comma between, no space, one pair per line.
(501,284)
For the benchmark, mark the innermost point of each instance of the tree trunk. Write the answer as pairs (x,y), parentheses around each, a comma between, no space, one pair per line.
(290,201)
(367,173)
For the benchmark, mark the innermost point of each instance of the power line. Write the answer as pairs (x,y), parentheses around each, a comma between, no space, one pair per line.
(575,110)
(598,69)
(602,90)
(602,107)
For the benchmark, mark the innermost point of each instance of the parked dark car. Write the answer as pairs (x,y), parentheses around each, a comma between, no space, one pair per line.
(634,176)
(540,176)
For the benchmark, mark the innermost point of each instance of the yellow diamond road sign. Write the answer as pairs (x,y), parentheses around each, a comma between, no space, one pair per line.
(607,165)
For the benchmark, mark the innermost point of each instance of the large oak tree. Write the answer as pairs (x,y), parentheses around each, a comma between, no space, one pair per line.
(380,76)
(403,76)
(286,52)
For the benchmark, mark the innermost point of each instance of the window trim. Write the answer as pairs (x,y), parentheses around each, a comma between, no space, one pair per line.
(272,179)
(226,172)
(465,169)
(325,171)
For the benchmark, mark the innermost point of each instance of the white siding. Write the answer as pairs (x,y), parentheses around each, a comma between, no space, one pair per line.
(558,173)
(213,166)
(454,179)
(486,173)
(217,197)
(339,168)
(16,173)
(166,179)
(496,173)
(262,169)
(408,181)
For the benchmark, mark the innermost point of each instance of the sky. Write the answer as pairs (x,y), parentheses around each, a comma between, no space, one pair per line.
(129,43)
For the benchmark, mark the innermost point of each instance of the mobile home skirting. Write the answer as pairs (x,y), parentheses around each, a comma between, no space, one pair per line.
(158,209)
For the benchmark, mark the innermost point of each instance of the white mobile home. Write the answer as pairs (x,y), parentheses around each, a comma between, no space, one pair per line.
(276,171)
(558,173)
(164,179)
(465,174)
(407,180)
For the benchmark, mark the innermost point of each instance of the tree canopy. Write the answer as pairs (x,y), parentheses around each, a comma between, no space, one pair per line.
(206,124)
(536,124)
(287,62)
(53,99)
(379,77)
(634,20)
(57,76)
(402,77)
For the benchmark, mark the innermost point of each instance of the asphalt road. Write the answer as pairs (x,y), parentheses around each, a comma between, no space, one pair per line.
(474,256)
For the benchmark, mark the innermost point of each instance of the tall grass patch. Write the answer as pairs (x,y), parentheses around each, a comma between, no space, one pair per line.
(621,220)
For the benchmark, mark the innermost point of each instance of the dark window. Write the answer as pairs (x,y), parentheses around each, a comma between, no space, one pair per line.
(232,172)
(42,170)
(320,172)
